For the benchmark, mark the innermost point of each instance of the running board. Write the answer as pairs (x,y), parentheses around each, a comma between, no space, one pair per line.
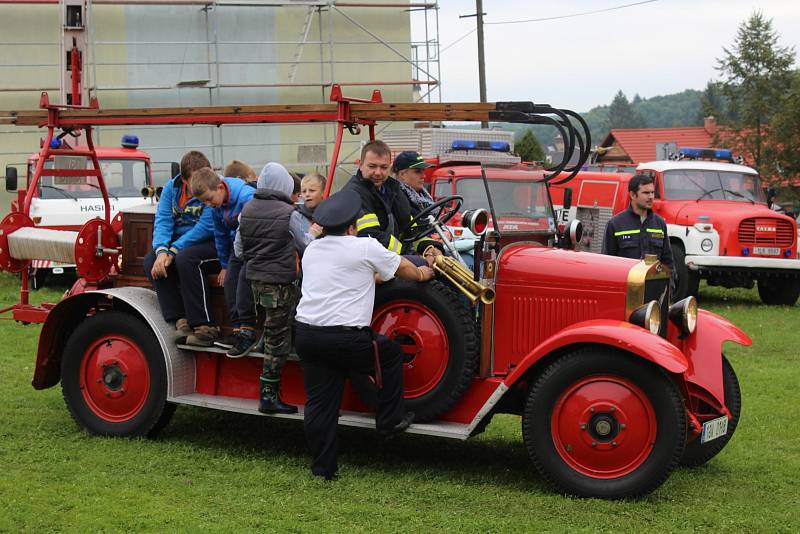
(219,350)
(441,429)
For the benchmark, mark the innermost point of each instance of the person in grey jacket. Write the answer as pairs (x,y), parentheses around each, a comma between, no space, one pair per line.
(270,248)
(275,176)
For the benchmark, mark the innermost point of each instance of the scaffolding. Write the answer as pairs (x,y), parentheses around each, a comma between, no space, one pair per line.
(327,42)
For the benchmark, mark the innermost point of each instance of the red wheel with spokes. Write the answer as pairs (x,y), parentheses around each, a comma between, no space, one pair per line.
(603,423)
(113,376)
(436,331)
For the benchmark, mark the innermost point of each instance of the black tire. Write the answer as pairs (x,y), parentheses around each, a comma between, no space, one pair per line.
(779,292)
(105,388)
(37,277)
(697,453)
(635,455)
(688,281)
(455,318)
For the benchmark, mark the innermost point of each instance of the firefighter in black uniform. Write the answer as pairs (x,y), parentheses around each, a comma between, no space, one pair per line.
(637,230)
(385,211)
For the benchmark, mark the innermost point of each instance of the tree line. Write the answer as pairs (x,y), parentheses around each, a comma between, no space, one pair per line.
(756,102)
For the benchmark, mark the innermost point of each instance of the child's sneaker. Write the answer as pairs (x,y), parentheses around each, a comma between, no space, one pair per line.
(227,341)
(182,331)
(203,336)
(245,342)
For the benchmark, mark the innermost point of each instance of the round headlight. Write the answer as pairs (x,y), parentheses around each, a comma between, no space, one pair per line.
(648,316)
(706,245)
(684,315)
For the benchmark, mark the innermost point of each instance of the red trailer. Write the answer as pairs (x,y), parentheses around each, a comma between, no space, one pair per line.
(614,386)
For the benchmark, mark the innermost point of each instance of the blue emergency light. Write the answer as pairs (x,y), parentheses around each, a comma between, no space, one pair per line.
(464,144)
(708,153)
(130,141)
(468,144)
(55,143)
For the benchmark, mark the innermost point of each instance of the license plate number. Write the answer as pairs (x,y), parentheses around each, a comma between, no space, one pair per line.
(767,251)
(714,429)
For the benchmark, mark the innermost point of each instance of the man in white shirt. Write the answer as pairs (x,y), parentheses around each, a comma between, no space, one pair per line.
(333,337)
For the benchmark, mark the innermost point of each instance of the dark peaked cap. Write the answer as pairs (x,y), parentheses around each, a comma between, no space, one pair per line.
(338,210)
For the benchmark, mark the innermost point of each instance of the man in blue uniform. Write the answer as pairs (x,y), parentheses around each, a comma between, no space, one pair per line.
(637,230)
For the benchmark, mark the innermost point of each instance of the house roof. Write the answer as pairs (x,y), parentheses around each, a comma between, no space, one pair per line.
(640,143)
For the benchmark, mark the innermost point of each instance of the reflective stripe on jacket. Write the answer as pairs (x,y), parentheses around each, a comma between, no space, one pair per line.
(382,216)
(630,237)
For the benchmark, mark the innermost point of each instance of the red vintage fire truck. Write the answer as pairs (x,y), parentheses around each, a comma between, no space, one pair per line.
(615,387)
(720,226)
(67,203)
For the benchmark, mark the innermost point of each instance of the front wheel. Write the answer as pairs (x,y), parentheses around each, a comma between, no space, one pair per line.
(779,292)
(601,423)
(113,377)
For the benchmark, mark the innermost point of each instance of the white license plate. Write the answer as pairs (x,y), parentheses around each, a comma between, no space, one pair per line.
(714,429)
(767,251)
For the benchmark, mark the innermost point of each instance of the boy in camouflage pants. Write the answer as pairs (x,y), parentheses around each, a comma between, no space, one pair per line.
(278,300)
(267,235)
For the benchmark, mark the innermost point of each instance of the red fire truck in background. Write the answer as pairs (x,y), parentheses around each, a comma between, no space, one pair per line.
(720,226)
(68,202)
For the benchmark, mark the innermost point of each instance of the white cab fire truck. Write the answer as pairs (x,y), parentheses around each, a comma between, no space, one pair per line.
(68,202)
(720,225)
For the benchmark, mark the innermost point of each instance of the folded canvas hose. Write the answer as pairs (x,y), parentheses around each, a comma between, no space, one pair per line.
(43,244)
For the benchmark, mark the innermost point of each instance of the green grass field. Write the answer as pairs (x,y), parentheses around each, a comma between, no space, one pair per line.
(226,472)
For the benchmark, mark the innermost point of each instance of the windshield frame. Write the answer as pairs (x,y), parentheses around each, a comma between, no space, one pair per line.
(116,189)
(547,214)
(720,190)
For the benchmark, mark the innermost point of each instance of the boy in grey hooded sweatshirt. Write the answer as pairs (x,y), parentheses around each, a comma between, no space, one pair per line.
(269,240)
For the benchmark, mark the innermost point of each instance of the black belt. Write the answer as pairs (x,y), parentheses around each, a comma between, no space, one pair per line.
(335,328)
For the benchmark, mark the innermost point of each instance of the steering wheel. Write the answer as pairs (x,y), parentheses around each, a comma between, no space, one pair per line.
(421,224)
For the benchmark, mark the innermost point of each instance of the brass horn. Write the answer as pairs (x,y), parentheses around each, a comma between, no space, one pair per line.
(463,280)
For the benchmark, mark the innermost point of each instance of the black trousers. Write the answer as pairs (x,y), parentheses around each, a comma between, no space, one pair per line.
(185,292)
(329,355)
(238,295)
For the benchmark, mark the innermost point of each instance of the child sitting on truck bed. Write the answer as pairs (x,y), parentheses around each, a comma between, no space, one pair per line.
(240,169)
(183,254)
(226,197)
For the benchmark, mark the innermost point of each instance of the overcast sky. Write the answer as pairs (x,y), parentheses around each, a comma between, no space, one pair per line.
(655,48)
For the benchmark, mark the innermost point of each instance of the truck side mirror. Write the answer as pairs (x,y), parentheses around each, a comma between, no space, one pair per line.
(175,169)
(771,193)
(567,198)
(11,178)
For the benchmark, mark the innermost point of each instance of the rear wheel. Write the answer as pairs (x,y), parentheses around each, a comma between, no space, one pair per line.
(600,423)
(113,377)
(779,292)
(697,453)
(437,334)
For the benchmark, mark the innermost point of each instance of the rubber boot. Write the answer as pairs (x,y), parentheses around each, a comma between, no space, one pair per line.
(269,400)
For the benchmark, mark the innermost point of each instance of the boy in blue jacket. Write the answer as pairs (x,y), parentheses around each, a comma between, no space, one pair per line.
(226,197)
(183,253)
